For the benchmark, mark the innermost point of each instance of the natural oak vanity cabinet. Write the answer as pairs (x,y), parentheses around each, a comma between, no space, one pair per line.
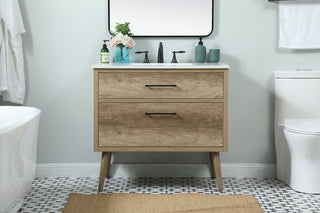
(161,109)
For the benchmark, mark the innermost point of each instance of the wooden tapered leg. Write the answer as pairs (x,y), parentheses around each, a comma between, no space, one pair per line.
(215,156)
(104,168)
(212,164)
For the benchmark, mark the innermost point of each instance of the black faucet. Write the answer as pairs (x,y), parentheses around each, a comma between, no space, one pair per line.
(174,59)
(146,59)
(160,53)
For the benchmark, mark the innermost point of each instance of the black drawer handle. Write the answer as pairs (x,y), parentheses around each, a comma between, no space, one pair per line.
(159,113)
(163,85)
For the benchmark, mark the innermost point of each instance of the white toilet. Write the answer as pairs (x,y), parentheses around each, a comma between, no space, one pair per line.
(297,129)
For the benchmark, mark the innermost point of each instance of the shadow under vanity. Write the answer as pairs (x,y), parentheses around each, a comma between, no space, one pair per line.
(161,108)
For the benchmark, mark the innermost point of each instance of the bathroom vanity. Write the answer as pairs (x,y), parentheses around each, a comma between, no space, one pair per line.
(161,108)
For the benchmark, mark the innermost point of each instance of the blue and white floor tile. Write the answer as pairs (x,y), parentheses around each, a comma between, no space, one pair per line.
(51,195)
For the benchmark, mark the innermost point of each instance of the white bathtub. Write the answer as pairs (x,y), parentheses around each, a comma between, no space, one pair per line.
(18,147)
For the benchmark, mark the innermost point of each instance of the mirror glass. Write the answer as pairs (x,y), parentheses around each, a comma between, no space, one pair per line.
(163,17)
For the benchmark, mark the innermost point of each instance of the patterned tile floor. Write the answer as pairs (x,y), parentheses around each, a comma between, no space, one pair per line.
(50,195)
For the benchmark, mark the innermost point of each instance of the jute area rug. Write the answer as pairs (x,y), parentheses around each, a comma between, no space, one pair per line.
(164,203)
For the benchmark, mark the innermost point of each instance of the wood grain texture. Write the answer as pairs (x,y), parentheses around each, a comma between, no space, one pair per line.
(200,101)
(159,149)
(225,112)
(217,169)
(195,124)
(96,111)
(104,168)
(212,164)
(188,85)
(163,100)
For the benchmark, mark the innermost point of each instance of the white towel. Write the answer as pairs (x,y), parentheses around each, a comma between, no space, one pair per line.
(299,24)
(12,79)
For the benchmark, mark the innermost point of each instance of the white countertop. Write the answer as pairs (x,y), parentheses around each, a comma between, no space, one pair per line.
(162,66)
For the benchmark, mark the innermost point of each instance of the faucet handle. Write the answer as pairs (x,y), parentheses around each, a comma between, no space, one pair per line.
(174,59)
(180,51)
(146,59)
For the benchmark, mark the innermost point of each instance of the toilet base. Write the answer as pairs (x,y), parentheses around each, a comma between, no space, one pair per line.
(308,183)
(305,161)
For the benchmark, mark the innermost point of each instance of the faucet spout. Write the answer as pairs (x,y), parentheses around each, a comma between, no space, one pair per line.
(160,53)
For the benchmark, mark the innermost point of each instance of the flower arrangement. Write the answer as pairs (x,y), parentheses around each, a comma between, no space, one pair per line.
(122,37)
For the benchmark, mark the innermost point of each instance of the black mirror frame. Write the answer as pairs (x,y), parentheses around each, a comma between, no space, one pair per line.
(142,36)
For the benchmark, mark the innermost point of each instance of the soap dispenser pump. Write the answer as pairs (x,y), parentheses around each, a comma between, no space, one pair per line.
(104,54)
(200,52)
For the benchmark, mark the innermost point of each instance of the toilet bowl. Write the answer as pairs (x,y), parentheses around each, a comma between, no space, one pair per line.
(303,139)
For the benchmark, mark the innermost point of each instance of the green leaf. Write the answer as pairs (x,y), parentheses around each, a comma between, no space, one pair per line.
(123,28)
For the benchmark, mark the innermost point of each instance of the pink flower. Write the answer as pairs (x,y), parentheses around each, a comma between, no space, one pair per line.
(113,42)
(131,43)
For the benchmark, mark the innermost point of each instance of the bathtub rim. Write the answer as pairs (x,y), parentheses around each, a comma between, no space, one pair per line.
(35,113)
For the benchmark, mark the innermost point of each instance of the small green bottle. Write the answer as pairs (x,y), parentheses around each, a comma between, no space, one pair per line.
(200,52)
(104,54)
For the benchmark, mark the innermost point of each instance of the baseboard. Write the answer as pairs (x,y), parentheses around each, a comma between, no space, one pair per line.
(237,170)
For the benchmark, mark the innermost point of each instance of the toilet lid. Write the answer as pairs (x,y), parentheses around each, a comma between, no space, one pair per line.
(304,126)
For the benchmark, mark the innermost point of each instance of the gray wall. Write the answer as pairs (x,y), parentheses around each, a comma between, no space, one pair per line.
(63,41)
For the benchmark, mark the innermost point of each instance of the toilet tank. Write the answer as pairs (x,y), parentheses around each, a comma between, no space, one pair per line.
(297,95)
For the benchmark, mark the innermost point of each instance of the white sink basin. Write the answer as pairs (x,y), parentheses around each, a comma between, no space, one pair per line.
(161,64)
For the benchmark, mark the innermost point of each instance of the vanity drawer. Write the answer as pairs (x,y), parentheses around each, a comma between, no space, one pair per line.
(160,125)
(135,85)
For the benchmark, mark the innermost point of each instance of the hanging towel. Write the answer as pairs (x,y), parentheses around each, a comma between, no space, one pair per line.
(299,24)
(12,79)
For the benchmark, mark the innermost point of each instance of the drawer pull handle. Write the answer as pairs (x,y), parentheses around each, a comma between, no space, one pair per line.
(169,85)
(159,113)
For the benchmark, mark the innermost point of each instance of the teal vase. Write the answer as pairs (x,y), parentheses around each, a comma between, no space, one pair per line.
(122,55)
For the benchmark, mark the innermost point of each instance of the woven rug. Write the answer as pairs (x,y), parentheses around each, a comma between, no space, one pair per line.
(164,203)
